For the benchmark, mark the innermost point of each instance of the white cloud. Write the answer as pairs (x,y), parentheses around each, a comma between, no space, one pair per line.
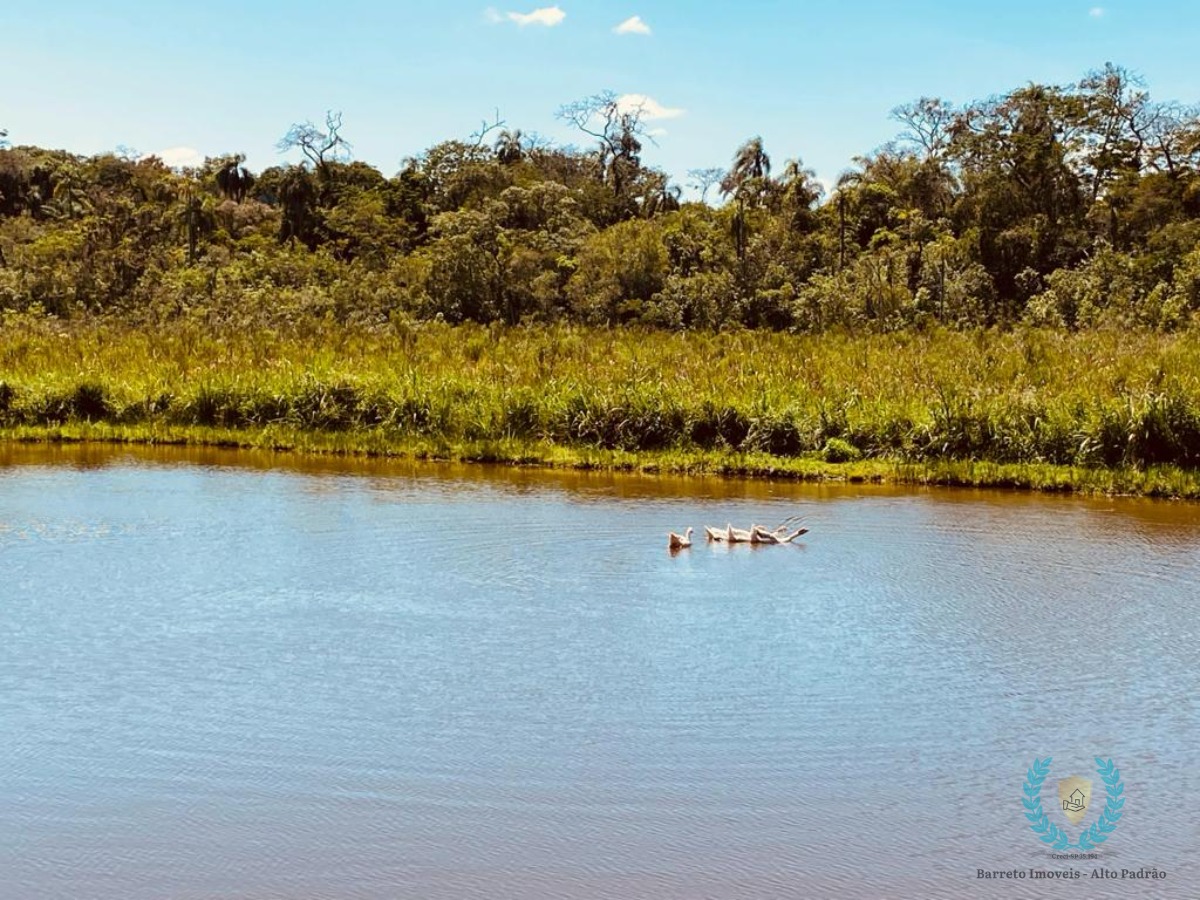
(633,25)
(179,157)
(650,108)
(656,132)
(547,15)
(493,15)
(1096,12)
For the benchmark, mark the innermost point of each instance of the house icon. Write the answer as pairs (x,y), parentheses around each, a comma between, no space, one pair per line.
(1075,802)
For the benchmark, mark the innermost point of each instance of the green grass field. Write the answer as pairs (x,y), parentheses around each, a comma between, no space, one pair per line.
(1095,411)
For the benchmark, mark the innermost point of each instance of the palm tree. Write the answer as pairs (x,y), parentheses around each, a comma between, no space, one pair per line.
(747,181)
(661,197)
(751,165)
(68,199)
(798,189)
(298,195)
(196,207)
(192,206)
(795,175)
(848,182)
(508,147)
(234,179)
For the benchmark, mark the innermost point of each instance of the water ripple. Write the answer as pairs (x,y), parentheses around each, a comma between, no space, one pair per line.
(243,681)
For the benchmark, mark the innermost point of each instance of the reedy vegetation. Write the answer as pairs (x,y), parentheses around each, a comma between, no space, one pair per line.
(908,405)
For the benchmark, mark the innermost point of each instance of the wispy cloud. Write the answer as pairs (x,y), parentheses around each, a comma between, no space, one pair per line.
(1096,12)
(179,157)
(649,107)
(548,16)
(633,25)
(493,16)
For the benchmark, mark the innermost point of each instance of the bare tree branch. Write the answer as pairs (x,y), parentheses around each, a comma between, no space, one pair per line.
(485,127)
(320,147)
(703,180)
(619,130)
(927,124)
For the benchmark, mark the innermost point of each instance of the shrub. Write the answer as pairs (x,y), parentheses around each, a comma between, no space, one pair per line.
(837,450)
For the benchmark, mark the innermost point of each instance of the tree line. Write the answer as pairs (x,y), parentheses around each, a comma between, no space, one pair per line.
(1066,205)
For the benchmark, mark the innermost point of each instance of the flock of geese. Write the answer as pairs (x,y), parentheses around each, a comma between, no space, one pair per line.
(730,535)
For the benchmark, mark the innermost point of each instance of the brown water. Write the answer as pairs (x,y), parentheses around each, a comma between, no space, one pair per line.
(244,676)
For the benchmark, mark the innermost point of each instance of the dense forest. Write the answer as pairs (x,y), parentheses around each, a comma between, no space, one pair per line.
(1070,206)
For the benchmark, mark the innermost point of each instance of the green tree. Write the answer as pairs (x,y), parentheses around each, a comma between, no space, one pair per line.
(465,281)
(1019,189)
(297,192)
(618,273)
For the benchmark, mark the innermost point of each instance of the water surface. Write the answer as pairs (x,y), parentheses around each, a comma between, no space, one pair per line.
(244,676)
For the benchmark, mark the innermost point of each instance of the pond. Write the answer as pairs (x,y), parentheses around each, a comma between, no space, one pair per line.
(238,675)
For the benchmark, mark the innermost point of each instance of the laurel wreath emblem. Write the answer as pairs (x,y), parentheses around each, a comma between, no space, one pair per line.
(1048,832)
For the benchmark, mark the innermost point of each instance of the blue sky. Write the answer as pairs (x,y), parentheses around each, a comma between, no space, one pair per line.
(816,80)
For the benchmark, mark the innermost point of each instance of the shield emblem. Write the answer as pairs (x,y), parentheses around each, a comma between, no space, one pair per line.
(1075,794)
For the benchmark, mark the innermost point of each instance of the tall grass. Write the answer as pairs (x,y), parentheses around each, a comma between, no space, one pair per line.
(1101,399)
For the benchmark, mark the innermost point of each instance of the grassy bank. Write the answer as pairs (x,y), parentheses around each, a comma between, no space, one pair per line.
(1097,411)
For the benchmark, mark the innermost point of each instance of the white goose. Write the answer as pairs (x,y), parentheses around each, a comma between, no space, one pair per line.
(760,535)
(733,535)
(679,541)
